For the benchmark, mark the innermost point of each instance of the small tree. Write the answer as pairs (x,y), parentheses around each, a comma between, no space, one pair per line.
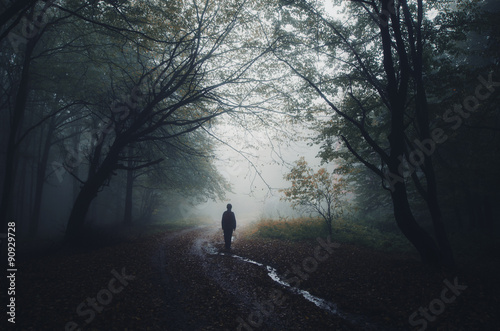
(318,192)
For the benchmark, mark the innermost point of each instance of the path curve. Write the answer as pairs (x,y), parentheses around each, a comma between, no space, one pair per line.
(255,294)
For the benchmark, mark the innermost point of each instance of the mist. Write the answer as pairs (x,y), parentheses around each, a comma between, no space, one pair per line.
(127,127)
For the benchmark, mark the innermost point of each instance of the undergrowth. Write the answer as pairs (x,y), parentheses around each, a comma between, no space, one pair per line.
(298,229)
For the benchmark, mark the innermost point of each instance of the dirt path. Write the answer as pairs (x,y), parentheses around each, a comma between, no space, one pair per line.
(265,284)
(184,280)
(243,294)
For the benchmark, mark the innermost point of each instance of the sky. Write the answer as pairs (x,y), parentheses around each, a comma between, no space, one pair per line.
(254,197)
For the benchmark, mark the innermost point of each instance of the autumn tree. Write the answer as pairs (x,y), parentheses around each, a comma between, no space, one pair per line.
(319,192)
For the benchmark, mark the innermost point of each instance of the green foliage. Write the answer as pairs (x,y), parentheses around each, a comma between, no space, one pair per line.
(435,50)
(302,229)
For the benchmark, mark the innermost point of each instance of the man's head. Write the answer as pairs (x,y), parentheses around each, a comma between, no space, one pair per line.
(229,206)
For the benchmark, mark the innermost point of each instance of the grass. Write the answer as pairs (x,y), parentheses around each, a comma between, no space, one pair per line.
(469,248)
(299,229)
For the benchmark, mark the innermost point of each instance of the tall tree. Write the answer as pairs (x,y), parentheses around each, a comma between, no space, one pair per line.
(184,84)
(376,61)
(21,51)
(144,83)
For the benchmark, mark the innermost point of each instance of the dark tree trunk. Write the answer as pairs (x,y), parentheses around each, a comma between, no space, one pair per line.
(397,92)
(419,238)
(80,209)
(15,127)
(440,233)
(127,218)
(422,117)
(76,172)
(88,192)
(40,181)
(21,196)
(329,226)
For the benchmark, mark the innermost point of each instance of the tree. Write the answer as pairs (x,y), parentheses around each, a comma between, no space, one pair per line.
(372,71)
(23,41)
(18,107)
(186,81)
(187,172)
(467,163)
(319,192)
(151,90)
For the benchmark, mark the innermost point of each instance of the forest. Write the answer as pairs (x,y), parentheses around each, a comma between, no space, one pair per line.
(114,115)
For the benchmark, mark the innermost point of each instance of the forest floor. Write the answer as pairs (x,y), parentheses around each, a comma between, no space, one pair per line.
(185,280)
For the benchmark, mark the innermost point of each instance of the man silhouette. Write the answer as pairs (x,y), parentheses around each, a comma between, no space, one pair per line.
(228,225)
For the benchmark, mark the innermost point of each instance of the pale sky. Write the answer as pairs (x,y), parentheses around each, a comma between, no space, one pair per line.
(252,198)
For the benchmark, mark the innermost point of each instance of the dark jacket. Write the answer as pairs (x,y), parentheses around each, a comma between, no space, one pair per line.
(228,220)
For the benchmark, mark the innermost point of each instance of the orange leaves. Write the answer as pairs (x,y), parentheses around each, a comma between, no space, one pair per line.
(320,192)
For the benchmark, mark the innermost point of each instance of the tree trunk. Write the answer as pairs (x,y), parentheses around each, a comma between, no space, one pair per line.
(16,125)
(397,91)
(419,238)
(40,181)
(423,242)
(422,118)
(21,197)
(79,210)
(88,192)
(127,218)
(76,171)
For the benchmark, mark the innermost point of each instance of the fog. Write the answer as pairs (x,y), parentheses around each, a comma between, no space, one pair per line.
(255,166)
(128,126)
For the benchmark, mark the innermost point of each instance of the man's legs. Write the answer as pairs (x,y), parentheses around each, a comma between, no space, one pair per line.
(227,238)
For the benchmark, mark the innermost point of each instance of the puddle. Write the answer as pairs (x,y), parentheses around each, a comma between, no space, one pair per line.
(319,302)
(273,274)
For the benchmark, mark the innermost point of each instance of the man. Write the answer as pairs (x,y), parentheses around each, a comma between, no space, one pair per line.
(228,225)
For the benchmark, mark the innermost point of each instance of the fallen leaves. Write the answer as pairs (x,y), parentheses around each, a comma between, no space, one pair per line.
(189,291)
